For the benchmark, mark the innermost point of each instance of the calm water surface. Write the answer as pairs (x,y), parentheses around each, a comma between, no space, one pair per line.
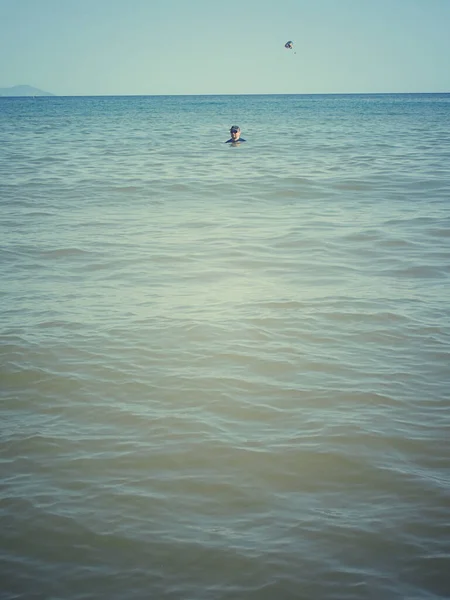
(225,371)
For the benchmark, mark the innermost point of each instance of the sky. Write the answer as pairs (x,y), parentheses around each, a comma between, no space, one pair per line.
(128,47)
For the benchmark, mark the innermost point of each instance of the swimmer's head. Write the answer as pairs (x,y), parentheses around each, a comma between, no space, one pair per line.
(235,132)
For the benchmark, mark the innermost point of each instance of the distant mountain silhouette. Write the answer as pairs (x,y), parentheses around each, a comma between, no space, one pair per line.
(23,90)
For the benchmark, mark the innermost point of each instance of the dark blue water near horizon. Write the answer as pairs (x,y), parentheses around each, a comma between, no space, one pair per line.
(224,370)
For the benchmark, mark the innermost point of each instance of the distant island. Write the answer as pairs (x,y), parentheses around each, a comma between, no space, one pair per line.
(23,90)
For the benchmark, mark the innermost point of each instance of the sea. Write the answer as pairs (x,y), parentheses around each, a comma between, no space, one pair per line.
(225,369)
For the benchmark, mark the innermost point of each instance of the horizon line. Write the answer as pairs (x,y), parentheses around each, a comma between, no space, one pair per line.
(51,95)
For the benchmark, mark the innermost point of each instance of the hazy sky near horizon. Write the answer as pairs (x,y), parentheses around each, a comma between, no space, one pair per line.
(90,47)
